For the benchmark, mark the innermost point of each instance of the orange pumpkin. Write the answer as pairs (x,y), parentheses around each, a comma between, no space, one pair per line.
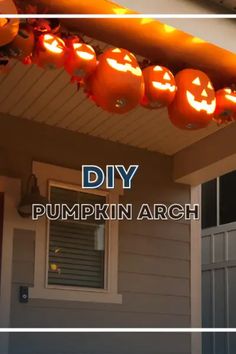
(81,59)
(160,87)
(225,105)
(23,44)
(195,101)
(8,26)
(49,52)
(117,83)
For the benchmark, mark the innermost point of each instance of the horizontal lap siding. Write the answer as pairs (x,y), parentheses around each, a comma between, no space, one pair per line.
(103,343)
(154,257)
(155,289)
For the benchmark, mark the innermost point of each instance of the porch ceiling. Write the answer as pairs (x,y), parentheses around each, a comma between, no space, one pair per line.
(48,97)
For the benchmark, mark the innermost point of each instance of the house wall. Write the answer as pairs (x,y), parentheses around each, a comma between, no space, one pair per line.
(154,257)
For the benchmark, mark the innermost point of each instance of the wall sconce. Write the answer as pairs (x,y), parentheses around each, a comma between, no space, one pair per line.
(31,196)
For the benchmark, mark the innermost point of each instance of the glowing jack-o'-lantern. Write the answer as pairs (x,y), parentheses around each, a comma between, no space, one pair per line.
(117,83)
(225,106)
(8,27)
(23,44)
(81,60)
(49,52)
(195,101)
(160,87)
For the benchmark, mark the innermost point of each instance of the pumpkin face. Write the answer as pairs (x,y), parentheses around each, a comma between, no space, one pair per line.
(50,52)
(23,44)
(117,84)
(81,60)
(160,87)
(122,61)
(8,27)
(195,101)
(225,106)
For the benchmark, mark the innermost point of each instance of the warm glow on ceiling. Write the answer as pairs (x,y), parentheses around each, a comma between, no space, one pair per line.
(169,29)
(198,40)
(145,21)
(120,10)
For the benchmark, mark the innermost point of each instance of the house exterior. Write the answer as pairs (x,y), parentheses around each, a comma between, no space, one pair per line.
(144,274)
(159,259)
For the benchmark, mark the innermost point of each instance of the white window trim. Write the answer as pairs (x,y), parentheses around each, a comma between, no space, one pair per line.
(196,280)
(218,225)
(46,173)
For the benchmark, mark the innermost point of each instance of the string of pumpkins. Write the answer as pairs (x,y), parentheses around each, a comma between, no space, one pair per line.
(116,83)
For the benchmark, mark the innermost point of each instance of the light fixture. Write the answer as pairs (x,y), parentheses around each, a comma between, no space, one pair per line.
(31,196)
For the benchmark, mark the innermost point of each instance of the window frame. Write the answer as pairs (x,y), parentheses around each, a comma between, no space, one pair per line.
(47,174)
(218,224)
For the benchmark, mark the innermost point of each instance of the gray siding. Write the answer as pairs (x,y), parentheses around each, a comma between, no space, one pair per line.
(102,343)
(218,287)
(154,257)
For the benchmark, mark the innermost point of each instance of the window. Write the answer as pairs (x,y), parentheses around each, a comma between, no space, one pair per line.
(77,249)
(219,201)
(209,204)
(228,198)
(75,260)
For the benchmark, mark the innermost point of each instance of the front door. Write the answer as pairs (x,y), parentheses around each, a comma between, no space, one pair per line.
(219,263)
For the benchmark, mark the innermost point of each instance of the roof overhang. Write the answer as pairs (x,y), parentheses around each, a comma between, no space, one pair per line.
(199,157)
(229,5)
(148,38)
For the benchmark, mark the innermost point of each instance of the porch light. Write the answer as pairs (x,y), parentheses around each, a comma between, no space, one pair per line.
(32,196)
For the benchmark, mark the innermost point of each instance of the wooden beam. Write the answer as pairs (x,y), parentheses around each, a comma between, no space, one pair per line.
(154,40)
(211,157)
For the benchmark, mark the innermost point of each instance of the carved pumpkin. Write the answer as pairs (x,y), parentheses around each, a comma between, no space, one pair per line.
(117,83)
(8,26)
(49,52)
(23,44)
(225,106)
(81,59)
(195,101)
(160,87)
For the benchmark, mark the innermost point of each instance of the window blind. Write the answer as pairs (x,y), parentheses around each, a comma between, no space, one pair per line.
(76,248)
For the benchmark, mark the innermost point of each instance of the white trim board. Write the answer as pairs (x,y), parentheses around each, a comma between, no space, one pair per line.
(196,306)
